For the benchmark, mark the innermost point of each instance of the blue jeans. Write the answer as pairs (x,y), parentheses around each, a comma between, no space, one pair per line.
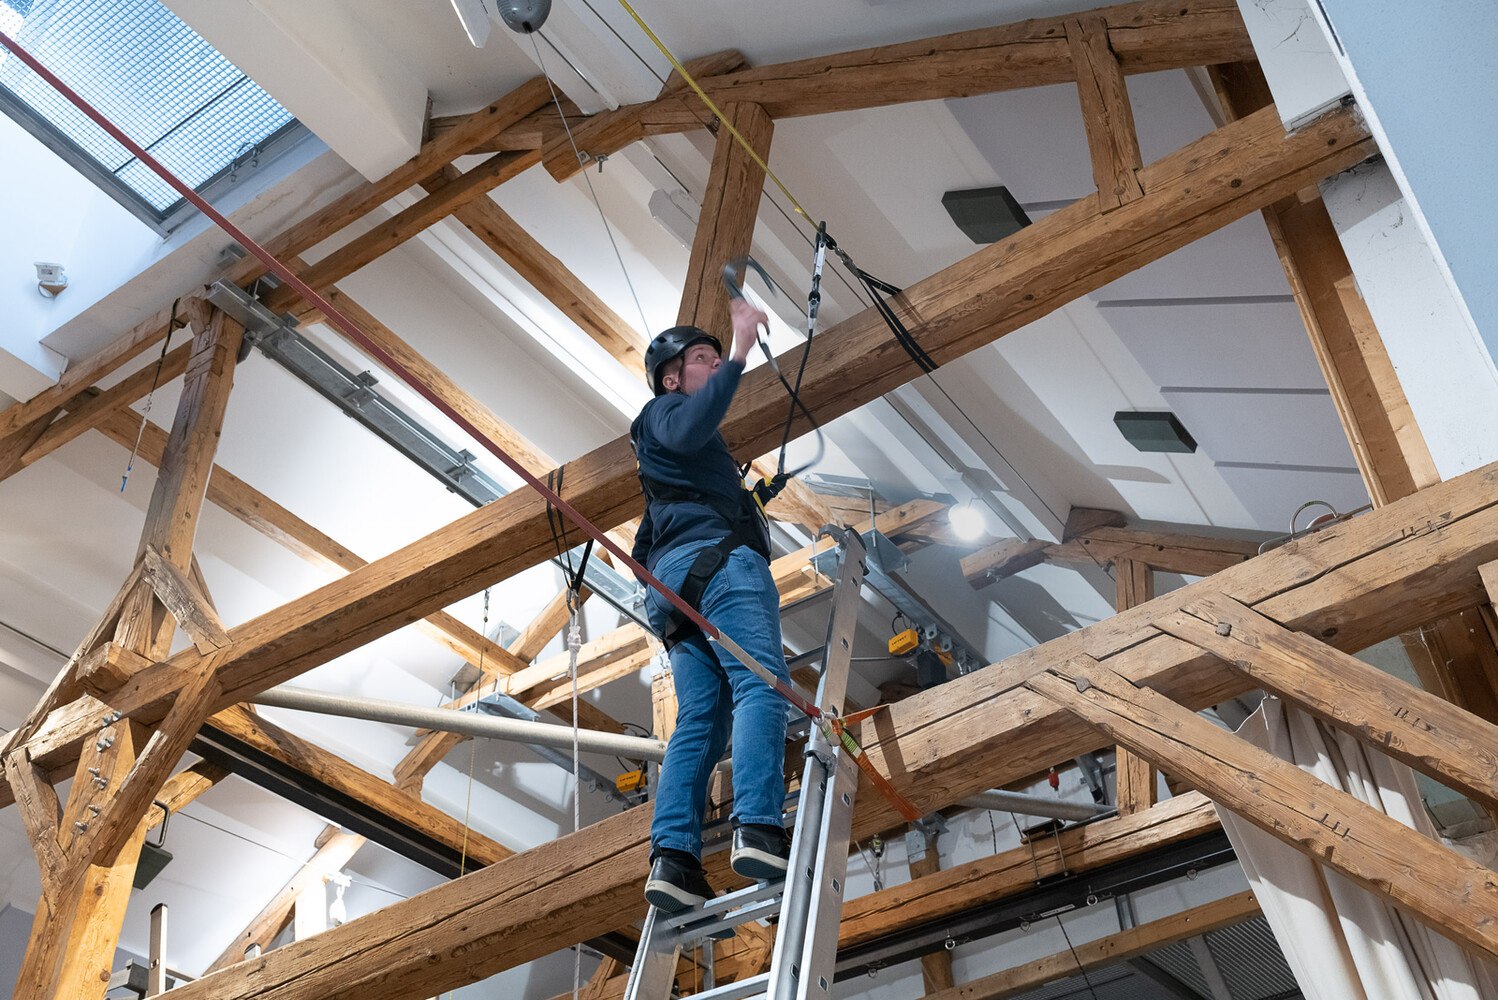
(714,692)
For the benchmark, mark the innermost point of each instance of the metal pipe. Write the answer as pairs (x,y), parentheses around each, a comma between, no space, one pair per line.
(467,723)
(1035,805)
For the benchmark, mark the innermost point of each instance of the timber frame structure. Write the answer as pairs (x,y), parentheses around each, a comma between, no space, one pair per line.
(119,717)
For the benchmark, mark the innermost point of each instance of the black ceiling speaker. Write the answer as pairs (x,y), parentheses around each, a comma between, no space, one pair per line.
(985,215)
(524,16)
(1157,430)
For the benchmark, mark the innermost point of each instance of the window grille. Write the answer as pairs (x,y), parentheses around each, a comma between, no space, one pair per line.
(155,78)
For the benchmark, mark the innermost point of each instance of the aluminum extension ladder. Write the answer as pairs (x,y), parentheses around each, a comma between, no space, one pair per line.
(809,900)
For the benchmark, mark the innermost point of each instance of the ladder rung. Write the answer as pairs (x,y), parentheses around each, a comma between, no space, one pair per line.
(752,987)
(718,906)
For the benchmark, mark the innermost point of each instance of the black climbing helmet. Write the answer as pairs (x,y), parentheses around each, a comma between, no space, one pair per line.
(672,344)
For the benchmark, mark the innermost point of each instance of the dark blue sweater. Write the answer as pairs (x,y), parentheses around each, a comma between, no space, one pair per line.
(677,443)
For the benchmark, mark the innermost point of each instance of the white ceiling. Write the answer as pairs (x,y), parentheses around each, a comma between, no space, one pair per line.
(1209,332)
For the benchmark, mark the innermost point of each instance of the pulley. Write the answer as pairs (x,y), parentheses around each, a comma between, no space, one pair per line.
(524,16)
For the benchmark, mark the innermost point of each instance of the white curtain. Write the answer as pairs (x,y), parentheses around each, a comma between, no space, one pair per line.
(1344,942)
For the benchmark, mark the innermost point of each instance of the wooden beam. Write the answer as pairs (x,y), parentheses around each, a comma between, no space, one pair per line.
(332,856)
(82,374)
(1165,551)
(1390,450)
(674,110)
(1212,181)
(236,497)
(466,134)
(1146,37)
(1352,584)
(1371,848)
(1108,950)
(340,775)
(87,415)
(554,281)
(177,498)
(943,895)
(725,227)
(936,968)
(1136,782)
(400,227)
(1106,112)
(1419,728)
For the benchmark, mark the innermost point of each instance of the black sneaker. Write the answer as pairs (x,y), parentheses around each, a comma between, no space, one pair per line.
(676,883)
(760,852)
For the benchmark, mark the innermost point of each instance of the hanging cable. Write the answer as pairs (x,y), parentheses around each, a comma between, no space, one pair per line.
(556,99)
(574,646)
(171,327)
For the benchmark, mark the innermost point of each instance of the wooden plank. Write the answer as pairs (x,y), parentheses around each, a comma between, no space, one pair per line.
(1003,559)
(1419,728)
(1090,955)
(998,289)
(1146,37)
(1106,112)
(1373,849)
(333,856)
(1137,783)
(1353,583)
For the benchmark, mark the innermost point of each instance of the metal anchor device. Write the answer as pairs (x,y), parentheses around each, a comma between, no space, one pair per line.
(809,900)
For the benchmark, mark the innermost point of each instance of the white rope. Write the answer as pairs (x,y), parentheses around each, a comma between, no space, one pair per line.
(574,645)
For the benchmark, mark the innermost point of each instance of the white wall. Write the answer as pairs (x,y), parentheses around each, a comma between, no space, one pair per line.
(1427,72)
(51,213)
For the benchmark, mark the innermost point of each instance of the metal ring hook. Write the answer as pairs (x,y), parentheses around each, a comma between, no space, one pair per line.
(736,272)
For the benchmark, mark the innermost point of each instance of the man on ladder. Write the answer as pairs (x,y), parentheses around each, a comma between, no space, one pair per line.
(704,535)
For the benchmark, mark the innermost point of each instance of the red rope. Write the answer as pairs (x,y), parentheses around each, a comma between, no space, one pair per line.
(348,328)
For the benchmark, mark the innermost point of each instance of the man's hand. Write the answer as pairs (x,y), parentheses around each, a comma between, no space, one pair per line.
(746,323)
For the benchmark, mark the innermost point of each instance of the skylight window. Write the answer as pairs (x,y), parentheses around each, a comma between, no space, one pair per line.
(155,78)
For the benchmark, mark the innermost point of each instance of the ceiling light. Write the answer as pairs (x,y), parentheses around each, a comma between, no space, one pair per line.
(967,521)
(985,215)
(1154,431)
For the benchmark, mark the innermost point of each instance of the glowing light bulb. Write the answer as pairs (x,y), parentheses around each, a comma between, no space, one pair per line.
(967,522)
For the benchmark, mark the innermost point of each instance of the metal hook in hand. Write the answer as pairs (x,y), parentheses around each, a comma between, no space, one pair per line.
(734,284)
(733,281)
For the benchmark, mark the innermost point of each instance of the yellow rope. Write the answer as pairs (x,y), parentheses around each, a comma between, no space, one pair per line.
(722,118)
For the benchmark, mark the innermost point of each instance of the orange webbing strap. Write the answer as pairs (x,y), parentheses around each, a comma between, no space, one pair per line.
(838,725)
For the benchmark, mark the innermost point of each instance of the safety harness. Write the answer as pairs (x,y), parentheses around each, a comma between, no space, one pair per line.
(748,524)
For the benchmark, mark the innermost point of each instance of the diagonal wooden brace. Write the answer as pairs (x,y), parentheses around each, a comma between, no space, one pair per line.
(1456,896)
(1421,729)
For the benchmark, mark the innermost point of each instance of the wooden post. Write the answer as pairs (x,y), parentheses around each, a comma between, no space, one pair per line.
(124,765)
(1137,781)
(936,968)
(1106,112)
(1455,657)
